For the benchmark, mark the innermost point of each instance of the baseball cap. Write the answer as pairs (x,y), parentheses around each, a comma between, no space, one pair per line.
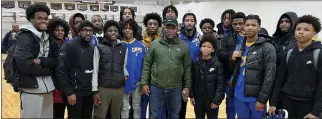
(170,21)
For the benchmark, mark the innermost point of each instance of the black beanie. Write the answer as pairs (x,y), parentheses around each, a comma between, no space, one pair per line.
(83,24)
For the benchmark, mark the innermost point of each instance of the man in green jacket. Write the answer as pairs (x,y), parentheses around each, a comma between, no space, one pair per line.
(166,62)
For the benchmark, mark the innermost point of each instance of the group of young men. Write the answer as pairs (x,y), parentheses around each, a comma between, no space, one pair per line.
(107,70)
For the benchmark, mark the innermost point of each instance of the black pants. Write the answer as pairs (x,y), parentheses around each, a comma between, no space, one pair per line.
(296,109)
(83,107)
(204,107)
(59,110)
(182,113)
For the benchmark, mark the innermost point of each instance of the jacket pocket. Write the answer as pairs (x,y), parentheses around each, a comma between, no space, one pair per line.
(301,90)
(154,71)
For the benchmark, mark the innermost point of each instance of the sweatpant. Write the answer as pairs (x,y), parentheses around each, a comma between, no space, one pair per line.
(110,97)
(230,107)
(247,110)
(296,109)
(202,108)
(59,110)
(136,99)
(36,105)
(182,113)
(83,107)
(144,105)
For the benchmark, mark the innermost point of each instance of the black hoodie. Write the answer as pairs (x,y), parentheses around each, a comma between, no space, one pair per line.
(284,41)
(299,80)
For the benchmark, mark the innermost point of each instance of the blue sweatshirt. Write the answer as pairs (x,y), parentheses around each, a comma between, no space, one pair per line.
(136,53)
(193,44)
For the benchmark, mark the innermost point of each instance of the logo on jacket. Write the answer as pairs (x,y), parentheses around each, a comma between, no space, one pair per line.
(196,41)
(309,62)
(211,69)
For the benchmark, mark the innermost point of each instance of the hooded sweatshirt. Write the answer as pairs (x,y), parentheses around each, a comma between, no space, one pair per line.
(45,83)
(284,41)
(299,80)
(73,29)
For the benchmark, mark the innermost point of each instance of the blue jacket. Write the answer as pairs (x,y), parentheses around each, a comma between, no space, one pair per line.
(192,44)
(136,53)
(7,42)
(94,41)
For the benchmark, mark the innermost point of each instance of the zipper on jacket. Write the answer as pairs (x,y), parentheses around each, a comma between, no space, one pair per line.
(45,84)
(169,65)
(113,61)
(75,80)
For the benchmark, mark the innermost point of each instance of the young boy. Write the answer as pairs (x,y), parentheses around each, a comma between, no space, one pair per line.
(298,84)
(109,73)
(255,71)
(208,83)
(136,52)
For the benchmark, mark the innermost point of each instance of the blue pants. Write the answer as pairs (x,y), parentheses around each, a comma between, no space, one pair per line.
(158,97)
(144,105)
(247,110)
(230,107)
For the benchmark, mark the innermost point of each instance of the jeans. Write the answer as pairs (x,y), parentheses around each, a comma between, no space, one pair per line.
(144,105)
(172,98)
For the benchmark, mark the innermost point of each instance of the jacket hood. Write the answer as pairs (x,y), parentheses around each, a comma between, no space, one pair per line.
(71,22)
(313,46)
(219,26)
(261,40)
(32,29)
(293,18)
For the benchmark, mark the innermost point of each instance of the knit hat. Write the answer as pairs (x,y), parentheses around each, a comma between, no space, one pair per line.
(83,24)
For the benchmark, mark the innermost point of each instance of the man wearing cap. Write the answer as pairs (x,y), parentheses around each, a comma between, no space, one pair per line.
(166,62)
(74,72)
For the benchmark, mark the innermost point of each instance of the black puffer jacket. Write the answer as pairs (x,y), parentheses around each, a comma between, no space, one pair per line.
(27,49)
(284,41)
(227,47)
(111,64)
(210,72)
(259,70)
(75,67)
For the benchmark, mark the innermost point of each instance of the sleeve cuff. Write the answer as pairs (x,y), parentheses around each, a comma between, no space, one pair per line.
(316,113)
(94,88)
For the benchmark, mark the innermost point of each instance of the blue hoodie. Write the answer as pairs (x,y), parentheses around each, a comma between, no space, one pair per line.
(136,53)
(193,44)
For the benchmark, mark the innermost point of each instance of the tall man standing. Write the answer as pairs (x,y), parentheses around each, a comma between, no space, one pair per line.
(254,71)
(166,70)
(228,44)
(35,56)
(74,72)
(191,37)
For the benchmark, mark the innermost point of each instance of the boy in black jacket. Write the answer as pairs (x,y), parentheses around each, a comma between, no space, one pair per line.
(208,86)
(74,72)
(298,87)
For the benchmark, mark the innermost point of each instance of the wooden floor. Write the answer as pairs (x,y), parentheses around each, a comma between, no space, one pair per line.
(11,103)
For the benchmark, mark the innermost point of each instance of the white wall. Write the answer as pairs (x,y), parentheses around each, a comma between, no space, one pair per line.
(268,11)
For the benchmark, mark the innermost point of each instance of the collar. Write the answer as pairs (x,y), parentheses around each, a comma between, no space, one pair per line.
(130,41)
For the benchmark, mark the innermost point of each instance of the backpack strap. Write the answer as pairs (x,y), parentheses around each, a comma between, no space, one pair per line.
(316,53)
(288,55)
